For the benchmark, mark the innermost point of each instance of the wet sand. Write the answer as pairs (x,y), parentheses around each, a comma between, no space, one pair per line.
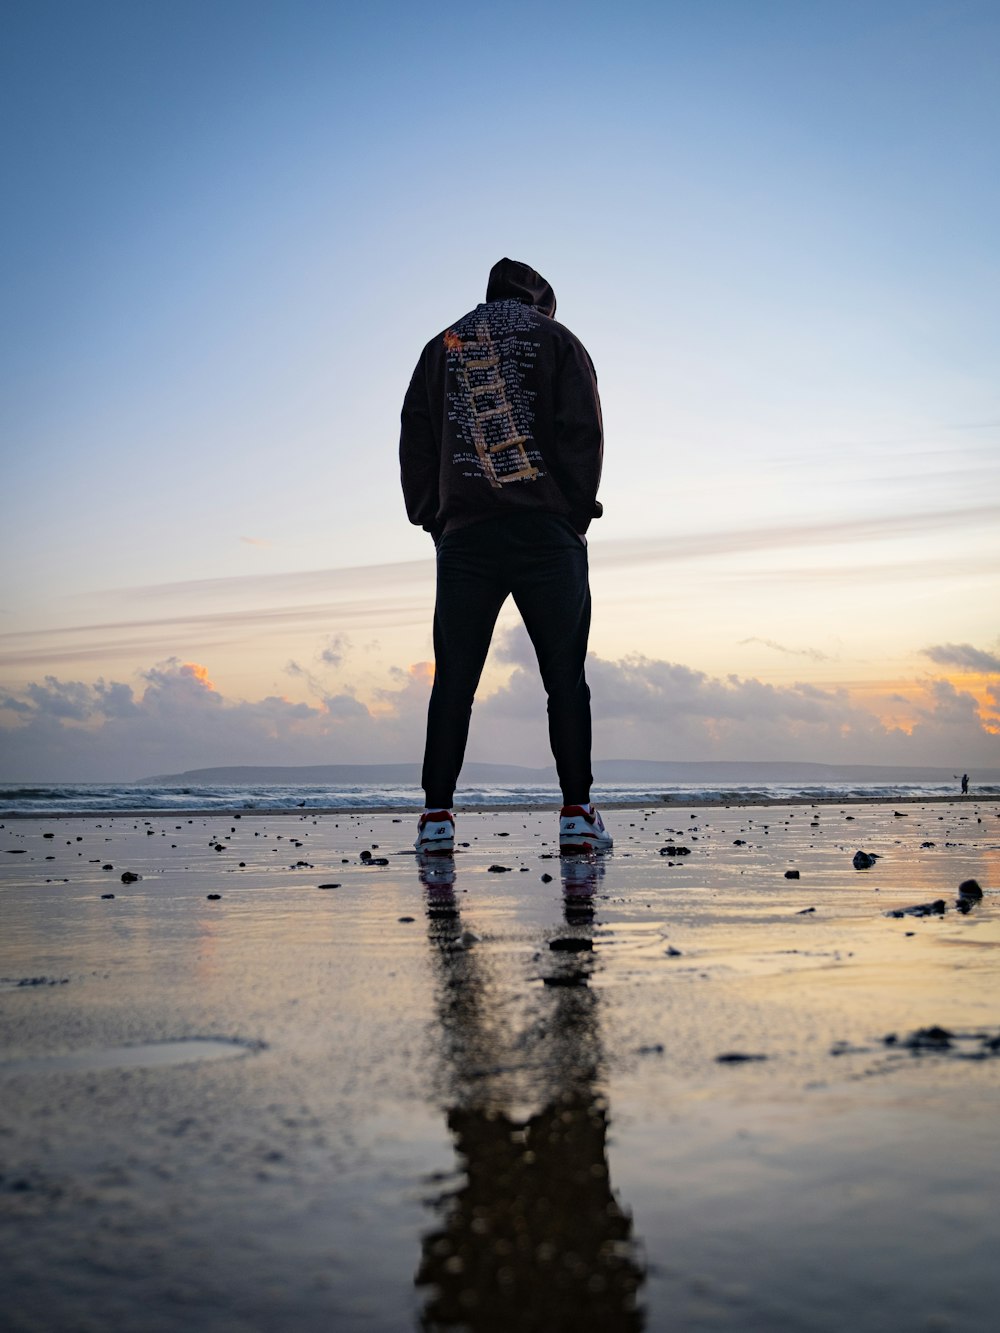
(651,1091)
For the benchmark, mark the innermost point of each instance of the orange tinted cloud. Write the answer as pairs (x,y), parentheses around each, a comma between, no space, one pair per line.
(198,673)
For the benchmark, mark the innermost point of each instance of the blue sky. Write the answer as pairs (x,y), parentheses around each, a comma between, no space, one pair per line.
(230,227)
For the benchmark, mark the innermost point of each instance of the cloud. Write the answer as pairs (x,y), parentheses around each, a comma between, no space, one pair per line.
(175,719)
(797,536)
(337,646)
(647,708)
(814,654)
(965,657)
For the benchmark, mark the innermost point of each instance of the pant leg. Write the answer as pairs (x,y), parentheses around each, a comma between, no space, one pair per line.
(471,589)
(551,586)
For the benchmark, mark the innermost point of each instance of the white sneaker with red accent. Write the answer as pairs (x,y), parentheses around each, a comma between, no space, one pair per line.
(582,830)
(436,832)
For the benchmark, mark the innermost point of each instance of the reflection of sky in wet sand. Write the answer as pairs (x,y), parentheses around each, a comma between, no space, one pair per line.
(534,1236)
(432,1115)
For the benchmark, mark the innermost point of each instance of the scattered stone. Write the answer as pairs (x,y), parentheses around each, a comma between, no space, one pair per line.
(737,1058)
(366,855)
(739,842)
(657,1049)
(107,895)
(571,944)
(864,860)
(936,908)
(405,920)
(969,888)
(671,952)
(129,877)
(546,879)
(107,866)
(899,814)
(792,874)
(929,1039)
(213,897)
(805,911)
(928,844)
(48,835)
(376,860)
(498,870)
(671,850)
(569,979)
(328,886)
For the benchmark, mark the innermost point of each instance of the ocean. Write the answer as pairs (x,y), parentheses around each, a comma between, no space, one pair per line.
(95,798)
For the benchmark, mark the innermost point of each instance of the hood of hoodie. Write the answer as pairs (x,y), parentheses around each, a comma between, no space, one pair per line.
(513,281)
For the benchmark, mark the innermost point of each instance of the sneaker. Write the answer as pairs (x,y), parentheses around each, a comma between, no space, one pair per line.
(582,832)
(436,832)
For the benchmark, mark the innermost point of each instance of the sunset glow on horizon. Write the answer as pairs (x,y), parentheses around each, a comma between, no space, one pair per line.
(232,230)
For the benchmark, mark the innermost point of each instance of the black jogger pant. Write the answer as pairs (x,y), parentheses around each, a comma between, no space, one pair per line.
(539,560)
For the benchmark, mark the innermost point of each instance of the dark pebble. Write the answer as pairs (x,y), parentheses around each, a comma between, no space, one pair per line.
(129,877)
(328,886)
(791,874)
(863,860)
(107,895)
(936,908)
(497,870)
(570,944)
(929,1039)
(213,897)
(546,879)
(737,1058)
(969,888)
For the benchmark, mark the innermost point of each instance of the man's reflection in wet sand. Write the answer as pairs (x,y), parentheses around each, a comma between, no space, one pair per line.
(533,1237)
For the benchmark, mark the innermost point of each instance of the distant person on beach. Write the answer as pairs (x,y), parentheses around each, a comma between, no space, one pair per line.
(500,456)
(965,784)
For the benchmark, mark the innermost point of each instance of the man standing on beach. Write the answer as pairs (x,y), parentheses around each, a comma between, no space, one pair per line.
(500,456)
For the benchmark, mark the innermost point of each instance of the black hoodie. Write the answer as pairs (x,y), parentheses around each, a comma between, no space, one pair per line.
(502,414)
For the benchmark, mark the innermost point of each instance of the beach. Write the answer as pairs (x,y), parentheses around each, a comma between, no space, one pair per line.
(291,1077)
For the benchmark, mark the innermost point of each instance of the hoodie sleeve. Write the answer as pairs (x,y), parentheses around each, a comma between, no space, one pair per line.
(419,456)
(579,435)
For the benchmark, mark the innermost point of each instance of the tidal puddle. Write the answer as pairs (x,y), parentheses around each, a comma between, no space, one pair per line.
(146,1055)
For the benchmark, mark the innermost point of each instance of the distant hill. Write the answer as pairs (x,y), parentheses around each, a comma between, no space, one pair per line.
(649,771)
